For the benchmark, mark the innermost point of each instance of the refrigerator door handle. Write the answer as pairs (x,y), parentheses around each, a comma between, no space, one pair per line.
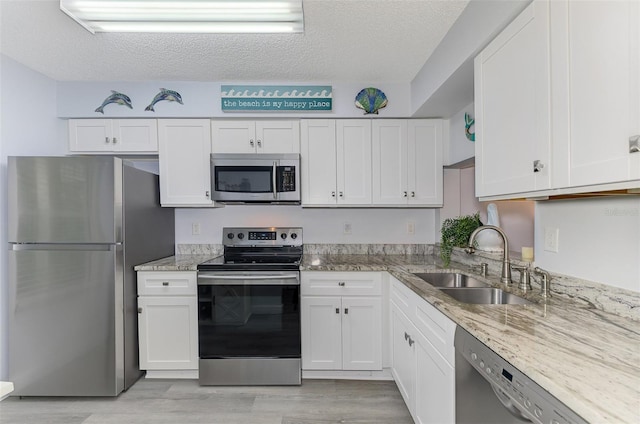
(65,246)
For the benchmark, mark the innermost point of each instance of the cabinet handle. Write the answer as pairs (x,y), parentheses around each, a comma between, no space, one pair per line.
(341,194)
(115,140)
(537,166)
(341,283)
(411,342)
(333,194)
(206,193)
(140,309)
(406,336)
(404,194)
(634,144)
(165,283)
(337,310)
(346,310)
(259,143)
(413,194)
(106,139)
(251,142)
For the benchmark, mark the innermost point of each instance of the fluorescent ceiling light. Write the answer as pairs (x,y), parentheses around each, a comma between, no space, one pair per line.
(192,16)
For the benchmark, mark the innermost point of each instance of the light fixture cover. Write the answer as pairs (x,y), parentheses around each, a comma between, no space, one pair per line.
(191,16)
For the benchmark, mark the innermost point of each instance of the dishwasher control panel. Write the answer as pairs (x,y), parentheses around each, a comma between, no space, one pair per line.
(517,392)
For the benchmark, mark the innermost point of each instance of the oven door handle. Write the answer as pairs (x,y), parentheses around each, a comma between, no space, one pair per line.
(275,180)
(221,280)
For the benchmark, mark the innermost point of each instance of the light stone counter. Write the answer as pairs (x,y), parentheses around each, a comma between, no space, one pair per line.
(587,358)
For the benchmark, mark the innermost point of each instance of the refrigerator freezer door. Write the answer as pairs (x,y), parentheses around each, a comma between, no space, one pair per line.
(63,200)
(65,317)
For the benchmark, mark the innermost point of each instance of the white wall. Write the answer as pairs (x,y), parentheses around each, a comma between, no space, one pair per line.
(457,146)
(599,239)
(320,225)
(28,126)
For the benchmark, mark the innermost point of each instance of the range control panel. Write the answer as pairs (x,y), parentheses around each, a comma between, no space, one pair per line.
(262,236)
(513,388)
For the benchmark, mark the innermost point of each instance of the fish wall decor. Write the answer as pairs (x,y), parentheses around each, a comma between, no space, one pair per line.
(117,98)
(468,123)
(371,100)
(164,94)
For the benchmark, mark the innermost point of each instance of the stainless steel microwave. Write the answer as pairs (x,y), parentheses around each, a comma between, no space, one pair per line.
(255,178)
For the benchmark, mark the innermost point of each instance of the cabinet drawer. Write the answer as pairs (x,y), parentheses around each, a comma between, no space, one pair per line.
(170,283)
(322,283)
(402,296)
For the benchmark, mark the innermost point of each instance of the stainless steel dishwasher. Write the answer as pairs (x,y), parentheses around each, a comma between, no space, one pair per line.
(489,390)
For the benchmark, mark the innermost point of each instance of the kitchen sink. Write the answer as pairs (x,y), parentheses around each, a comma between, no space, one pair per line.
(484,296)
(450,279)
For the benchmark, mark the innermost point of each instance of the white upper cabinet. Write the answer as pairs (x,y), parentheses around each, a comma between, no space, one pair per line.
(184,156)
(113,136)
(336,162)
(255,136)
(596,91)
(407,162)
(560,86)
(512,106)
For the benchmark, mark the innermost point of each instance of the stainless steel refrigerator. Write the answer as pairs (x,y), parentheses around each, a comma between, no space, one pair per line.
(77,227)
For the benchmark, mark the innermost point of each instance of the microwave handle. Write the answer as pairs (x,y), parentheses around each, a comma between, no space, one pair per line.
(275,180)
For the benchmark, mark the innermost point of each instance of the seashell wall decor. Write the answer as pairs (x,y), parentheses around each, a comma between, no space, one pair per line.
(371,100)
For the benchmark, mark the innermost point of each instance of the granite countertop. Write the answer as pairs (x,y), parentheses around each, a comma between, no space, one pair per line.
(587,358)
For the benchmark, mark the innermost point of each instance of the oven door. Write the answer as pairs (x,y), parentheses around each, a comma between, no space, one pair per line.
(244,314)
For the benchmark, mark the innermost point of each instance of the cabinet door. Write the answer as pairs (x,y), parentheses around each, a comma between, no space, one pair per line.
(233,136)
(435,385)
(278,137)
(390,155)
(512,85)
(361,333)
(168,332)
(184,156)
(596,92)
(318,161)
(321,333)
(425,162)
(90,135)
(135,135)
(354,161)
(402,356)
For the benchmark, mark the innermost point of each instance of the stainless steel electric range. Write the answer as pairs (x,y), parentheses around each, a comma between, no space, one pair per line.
(249,309)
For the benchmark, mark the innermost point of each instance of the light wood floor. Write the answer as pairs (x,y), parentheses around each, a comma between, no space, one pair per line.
(185,402)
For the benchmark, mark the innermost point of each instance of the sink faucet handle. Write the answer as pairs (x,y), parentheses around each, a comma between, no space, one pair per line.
(525,277)
(545,285)
(481,268)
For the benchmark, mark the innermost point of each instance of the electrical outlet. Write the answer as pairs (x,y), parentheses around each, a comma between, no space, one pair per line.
(195,228)
(411,227)
(346,228)
(551,239)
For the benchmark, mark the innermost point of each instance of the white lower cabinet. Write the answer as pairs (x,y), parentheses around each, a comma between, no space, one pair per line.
(167,321)
(424,374)
(341,321)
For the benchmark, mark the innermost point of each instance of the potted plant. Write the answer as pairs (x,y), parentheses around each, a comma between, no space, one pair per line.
(455,233)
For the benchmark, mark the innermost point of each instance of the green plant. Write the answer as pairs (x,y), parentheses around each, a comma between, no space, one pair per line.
(455,233)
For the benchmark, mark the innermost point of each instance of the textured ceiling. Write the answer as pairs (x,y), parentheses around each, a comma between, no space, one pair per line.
(344,41)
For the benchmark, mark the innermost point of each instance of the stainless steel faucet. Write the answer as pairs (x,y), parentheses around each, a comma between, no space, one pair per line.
(545,285)
(505,276)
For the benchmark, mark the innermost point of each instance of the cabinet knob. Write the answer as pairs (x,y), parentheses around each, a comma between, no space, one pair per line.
(165,283)
(404,194)
(106,139)
(206,193)
(634,144)
(140,309)
(406,336)
(115,140)
(537,166)
(346,310)
(341,283)
(337,310)
(413,194)
(411,342)
(333,194)
(341,194)
(251,142)
(259,143)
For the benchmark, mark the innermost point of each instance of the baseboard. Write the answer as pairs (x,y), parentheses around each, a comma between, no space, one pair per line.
(384,374)
(186,374)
